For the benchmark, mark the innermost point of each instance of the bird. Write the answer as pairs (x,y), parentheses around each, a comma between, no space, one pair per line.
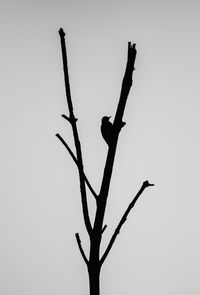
(107,129)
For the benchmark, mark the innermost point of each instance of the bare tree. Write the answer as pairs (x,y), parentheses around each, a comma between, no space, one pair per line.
(110,133)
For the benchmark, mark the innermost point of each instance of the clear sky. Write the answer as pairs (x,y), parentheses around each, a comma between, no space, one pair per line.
(157,251)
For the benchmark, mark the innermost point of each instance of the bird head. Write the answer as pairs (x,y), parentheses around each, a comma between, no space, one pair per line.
(105,119)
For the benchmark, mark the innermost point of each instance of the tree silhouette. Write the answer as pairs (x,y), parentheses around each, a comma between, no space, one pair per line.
(95,231)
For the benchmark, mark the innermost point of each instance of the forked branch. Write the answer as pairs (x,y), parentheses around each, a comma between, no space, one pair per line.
(95,231)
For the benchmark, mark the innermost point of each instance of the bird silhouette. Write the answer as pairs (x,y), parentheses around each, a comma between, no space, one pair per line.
(107,129)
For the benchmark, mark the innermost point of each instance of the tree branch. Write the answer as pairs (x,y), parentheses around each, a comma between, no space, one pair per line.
(126,84)
(67,147)
(80,248)
(76,162)
(123,219)
(117,125)
(65,69)
(75,135)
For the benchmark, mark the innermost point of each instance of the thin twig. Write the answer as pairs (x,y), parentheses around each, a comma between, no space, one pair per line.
(103,229)
(123,219)
(70,120)
(80,247)
(77,163)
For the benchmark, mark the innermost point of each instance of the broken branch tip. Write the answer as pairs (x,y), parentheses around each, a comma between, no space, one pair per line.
(61,32)
(146,183)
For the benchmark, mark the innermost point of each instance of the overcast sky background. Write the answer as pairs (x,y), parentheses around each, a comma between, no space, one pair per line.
(157,251)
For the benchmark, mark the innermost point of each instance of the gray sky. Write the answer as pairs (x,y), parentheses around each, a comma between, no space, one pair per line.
(157,251)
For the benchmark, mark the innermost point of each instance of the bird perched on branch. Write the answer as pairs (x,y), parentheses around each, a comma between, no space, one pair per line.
(107,129)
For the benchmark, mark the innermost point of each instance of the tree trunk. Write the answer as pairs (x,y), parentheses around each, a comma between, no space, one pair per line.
(94,280)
